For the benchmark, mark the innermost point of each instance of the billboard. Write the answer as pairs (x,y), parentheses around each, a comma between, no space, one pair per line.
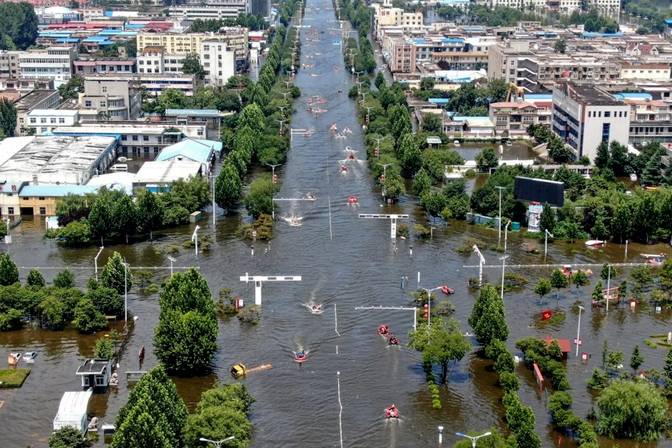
(539,190)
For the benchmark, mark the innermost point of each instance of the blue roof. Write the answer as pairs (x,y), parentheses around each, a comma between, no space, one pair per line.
(538,96)
(211,113)
(587,34)
(622,96)
(453,40)
(198,150)
(54,190)
(668,21)
(438,100)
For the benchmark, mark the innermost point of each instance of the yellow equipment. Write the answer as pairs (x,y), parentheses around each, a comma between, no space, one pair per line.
(239,370)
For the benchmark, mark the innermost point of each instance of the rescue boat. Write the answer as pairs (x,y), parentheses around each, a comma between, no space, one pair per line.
(383,330)
(300,356)
(353,200)
(391,412)
(447,290)
(392,340)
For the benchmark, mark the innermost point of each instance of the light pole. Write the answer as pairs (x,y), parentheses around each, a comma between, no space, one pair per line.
(172,260)
(217,443)
(473,438)
(546,235)
(126,267)
(578,332)
(503,269)
(194,239)
(499,224)
(440,428)
(214,214)
(95,262)
(481,262)
(429,303)
(608,285)
(506,235)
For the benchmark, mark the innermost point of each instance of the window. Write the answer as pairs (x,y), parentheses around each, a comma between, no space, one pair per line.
(52,120)
(606,130)
(103,104)
(33,120)
(43,120)
(41,198)
(61,120)
(10,210)
(87,103)
(43,211)
(135,138)
(145,138)
(104,89)
(607,114)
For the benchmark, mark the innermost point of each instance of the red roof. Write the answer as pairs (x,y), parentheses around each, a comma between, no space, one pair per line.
(565,347)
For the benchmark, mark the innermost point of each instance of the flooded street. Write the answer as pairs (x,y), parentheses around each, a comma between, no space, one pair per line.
(297,406)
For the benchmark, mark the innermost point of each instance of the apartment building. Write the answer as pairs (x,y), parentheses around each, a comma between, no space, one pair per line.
(41,121)
(606,7)
(540,72)
(503,60)
(51,63)
(35,99)
(217,61)
(584,117)
(219,9)
(646,71)
(109,99)
(236,38)
(400,56)
(92,66)
(513,118)
(650,120)
(9,64)
(155,60)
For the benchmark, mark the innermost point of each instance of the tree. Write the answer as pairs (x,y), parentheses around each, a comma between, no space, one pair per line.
(559,152)
(651,174)
(580,278)
(149,212)
(252,117)
(106,300)
(9,273)
(668,366)
(410,154)
(228,187)
(636,360)
(191,65)
(547,219)
(69,437)
(186,336)
(631,410)
(432,123)
(487,159)
(19,23)
(487,316)
(7,118)
(71,89)
(103,349)
(440,343)
(100,217)
(543,287)
(87,318)
(64,279)
(560,46)
(603,157)
(115,274)
(75,233)
(259,200)
(393,186)
(558,280)
(421,182)
(35,279)
(124,216)
(52,313)
(154,415)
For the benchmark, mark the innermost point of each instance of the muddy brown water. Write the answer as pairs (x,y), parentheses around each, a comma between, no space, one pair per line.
(297,406)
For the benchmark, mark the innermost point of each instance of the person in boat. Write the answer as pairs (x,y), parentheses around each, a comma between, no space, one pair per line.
(300,354)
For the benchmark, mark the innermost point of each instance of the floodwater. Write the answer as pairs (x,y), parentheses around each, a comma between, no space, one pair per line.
(345,262)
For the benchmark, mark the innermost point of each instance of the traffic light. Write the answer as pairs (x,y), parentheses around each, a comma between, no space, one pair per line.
(376,152)
(275,178)
(425,313)
(382,178)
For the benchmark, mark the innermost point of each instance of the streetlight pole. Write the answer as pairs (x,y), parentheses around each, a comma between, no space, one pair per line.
(546,235)
(95,262)
(503,269)
(194,239)
(499,224)
(126,266)
(429,304)
(473,438)
(217,443)
(214,214)
(172,260)
(608,285)
(578,331)
(506,235)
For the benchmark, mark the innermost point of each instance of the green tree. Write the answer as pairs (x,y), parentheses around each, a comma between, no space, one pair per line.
(7,118)
(580,278)
(69,437)
(19,23)
(71,89)
(432,123)
(393,186)
(87,318)
(75,234)
(103,348)
(100,217)
(149,212)
(410,154)
(558,280)
(603,157)
(106,300)
(421,183)
(124,216)
(115,274)
(631,410)
(64,279)
(52,313)
(35,279)
(487,316)
(259,200)
(440,343)
(487,159)
(560,46)
(547,219)
(228,187)
(543,287)
(191,65)
(153,416)
(636,360)
(252,117)
(9,273)
(668,366)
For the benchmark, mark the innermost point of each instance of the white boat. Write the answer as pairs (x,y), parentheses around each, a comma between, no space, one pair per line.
(595,243)
(29,356)
(456,142)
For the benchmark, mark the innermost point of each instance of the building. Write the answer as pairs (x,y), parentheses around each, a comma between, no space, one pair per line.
(194,150)
(51,63)
(109,99)
(55,159)
(644,71)
(469,127)
(384,15)
(540,72)
(606,7)
(72,411)
(26,85)
(173,43)
(95,373)
(137,139)
(152,83)
(159,176)
(211,118)
(260,8)
(513,118)
(92,66)
(155,60)
(650,120)
(41,121)
(217,61)
(584,117)
(36,99)
(221,9)
(503,60)
(9,197)
(9,64)
(41,199)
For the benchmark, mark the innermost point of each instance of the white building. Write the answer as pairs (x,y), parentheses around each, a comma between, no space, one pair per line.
(584,117)
(221,9)
(218,62)
(52,63)
(46,120)
(606,7)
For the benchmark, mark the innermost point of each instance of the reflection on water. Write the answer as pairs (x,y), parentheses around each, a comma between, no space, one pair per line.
(297,406)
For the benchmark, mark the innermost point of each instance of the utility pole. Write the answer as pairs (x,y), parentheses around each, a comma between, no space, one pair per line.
(499,224)
(95,262)
(578,332)
(546,235)
(503,272)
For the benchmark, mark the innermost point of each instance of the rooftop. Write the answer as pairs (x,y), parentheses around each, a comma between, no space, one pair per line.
(53,113)
(33,98)
(93,366)
(194,149)
(206,113)
(55,190)
(166,171)
(587,94)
